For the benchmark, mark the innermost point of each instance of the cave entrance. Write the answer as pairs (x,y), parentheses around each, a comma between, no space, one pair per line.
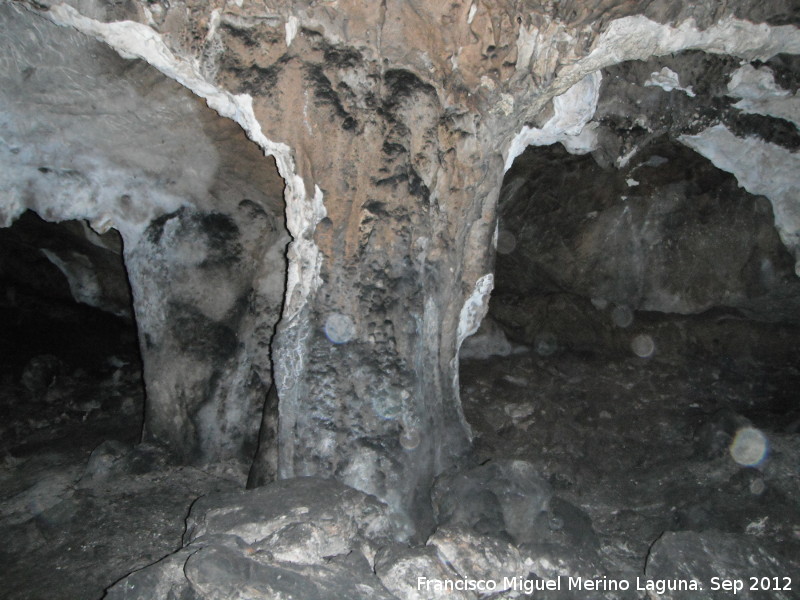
(646,316)
(71,369)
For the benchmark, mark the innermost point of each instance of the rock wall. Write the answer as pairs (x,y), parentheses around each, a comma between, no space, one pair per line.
(200,210)
(671,233)
(390,124)
(598,248)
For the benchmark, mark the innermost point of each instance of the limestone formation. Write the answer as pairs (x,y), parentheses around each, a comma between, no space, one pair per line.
(389,126)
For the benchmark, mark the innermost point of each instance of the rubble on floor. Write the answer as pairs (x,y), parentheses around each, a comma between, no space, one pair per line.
(625,478)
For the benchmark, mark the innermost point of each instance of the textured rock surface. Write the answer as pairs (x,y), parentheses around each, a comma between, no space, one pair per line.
(218,571)
(298,538)
(200,213)
(690,556)
(375,136)
(645,227)
(399,569)
(390,124)
(630,448)
(260,517)
(98,508)
(680,237)
(625,446)
(475,556)
(504,498)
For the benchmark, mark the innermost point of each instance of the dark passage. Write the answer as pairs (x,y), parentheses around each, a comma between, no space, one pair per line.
(69,355)
(83,502)
(640,355)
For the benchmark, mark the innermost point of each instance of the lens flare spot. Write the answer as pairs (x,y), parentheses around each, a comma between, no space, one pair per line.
(506,242)
(643,346)
(386,407)
(749,447)
(339,328)
(622,316)
(409,439)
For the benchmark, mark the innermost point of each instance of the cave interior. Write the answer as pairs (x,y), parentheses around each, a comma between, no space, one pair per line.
(447,330)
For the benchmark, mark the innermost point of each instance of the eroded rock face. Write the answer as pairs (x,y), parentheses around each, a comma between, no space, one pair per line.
(690,556)
(210,287)
(390,124)
(503,498)
(671,234)
(651,243)
(303,537)
(200,214)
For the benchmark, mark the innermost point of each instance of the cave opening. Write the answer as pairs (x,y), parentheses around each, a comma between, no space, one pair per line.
(630,395)
(639,348)
(180,297)
(72,371)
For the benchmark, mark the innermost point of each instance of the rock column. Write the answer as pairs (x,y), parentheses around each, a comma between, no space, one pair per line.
(390,268)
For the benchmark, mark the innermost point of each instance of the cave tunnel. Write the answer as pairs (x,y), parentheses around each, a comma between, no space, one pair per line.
(499,303)
(69,347)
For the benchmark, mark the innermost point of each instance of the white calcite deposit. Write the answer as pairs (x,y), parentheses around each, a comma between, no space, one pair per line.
(761,168)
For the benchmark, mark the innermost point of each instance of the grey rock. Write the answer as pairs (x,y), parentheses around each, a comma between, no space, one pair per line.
(504,497)
(477,556)
(701,557)
(566,525)
(105,460)
(305,538)
(302,520)
(401,567)
(48,492)
(163,579)
(217,572)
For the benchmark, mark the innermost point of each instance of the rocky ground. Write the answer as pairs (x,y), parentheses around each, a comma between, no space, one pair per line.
(80,504)
(588,467)
(639,448)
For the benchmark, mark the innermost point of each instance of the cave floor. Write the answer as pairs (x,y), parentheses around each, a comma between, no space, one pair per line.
(645,447)
(640,447)
(81,504)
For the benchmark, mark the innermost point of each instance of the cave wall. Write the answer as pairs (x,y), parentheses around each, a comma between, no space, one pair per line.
(643,238)
(390,125)
(88,135)
(670,252)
